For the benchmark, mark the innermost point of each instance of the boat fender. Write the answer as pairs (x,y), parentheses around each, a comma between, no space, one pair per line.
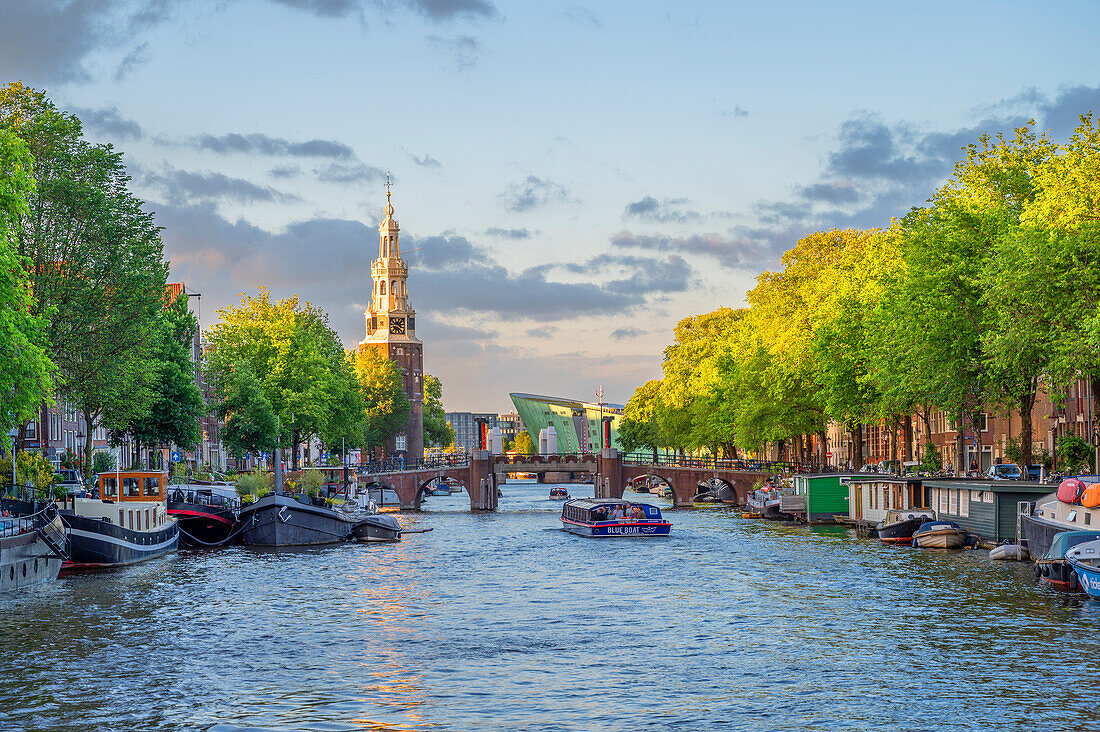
(1074,584)
(1038,572)
(1046,570)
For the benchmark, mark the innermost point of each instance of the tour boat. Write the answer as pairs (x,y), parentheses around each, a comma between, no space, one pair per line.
(593,517)
(207,514)
(1074,506)
(899,526)
(939,534)
(278,519)
(1053,569)
(32,544)
(1085,561)
(127,523)
(559,493)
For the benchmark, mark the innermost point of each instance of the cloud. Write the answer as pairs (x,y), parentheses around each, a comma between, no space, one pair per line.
(186,186)
(582,15)
(356,172)
(260,144)
(736,113)
(624,333)
(514,234)
(137,57)
(836,192)
(463,49)
(666,211)
(439,10)
(291,170)
(730,251)
(323,8)
(532,192)
(425,161)
(545,332)
(108,122)
(638,274)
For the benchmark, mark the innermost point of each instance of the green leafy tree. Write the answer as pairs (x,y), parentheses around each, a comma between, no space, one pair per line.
(175,404)
(95,263)
(387,405)
(298,361)
(1074,453)
(437,430)
(523,444)
(25,369)
(250,422)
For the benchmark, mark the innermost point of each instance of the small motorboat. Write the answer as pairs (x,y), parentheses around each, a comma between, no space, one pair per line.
(752,515)
(899,526)
(557,493)
(377,527)
(607,517)
(939,534)
(1084,559)
(1053,569)
(441,491)
(765,501)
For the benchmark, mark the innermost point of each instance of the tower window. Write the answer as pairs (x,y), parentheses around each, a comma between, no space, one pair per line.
(383,288)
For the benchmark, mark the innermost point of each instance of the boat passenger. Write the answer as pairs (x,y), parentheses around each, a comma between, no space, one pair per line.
(639,513)
(617,513)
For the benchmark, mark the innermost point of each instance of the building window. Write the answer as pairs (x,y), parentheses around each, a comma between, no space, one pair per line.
(400,442)
(383,285)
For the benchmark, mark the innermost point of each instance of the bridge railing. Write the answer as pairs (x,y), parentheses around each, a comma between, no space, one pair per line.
(713,463)
(510,458)
(398,464)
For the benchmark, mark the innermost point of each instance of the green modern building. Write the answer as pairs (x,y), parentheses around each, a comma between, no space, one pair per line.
(576,423)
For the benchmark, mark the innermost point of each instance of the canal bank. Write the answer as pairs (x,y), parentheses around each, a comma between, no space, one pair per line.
(500,621)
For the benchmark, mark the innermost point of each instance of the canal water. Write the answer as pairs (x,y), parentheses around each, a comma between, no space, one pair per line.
(498,621)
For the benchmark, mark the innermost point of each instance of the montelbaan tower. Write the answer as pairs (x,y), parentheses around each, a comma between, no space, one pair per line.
(391,328)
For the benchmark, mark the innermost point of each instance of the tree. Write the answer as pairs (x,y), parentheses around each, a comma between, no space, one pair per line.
(437,430)
(250,424)
(303,371)
(524,445)
(639,426)
(175,404)
(387,405)
(25,369)
(94,258)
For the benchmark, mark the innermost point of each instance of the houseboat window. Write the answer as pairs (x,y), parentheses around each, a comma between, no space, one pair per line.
(130,515)
(964,503)
(130,487)
(1088,519)
(148,523)
(139,521)
(110,489)
(943,499)
(1072,517)
(121,518)
(152,486)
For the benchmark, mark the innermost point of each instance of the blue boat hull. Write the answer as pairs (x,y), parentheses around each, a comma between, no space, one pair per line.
(1089,578)
(618,530)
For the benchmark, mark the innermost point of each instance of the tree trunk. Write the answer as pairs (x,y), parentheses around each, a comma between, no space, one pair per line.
(857,445)
(294,443)
(1027,404)
(779,447)
(960,445)
(824,447)
(88,449)
(908,434)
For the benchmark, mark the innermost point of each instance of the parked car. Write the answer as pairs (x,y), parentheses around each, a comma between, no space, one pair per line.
(1006,471)
(1034,472)
(71,480)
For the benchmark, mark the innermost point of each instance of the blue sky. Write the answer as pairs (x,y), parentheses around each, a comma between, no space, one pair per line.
(575,177)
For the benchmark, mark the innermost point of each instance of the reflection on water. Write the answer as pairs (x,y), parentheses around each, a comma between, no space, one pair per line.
(492,621)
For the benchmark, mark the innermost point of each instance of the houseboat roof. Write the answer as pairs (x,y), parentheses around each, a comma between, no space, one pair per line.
(885,478)
(829,475)
(995,486)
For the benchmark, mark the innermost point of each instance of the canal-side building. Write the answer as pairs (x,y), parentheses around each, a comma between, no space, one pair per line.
(391,329)
(467,427)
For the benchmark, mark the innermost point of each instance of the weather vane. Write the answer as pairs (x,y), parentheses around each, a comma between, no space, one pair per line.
(388,184)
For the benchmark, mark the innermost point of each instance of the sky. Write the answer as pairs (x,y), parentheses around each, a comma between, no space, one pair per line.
(571,179)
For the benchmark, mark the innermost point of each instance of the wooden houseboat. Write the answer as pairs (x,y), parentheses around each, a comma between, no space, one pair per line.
(824,496)
(127,523)
(986,509)
(895,507)
(32,543)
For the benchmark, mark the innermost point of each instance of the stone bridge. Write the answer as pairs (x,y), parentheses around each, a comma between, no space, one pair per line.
(609,472)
